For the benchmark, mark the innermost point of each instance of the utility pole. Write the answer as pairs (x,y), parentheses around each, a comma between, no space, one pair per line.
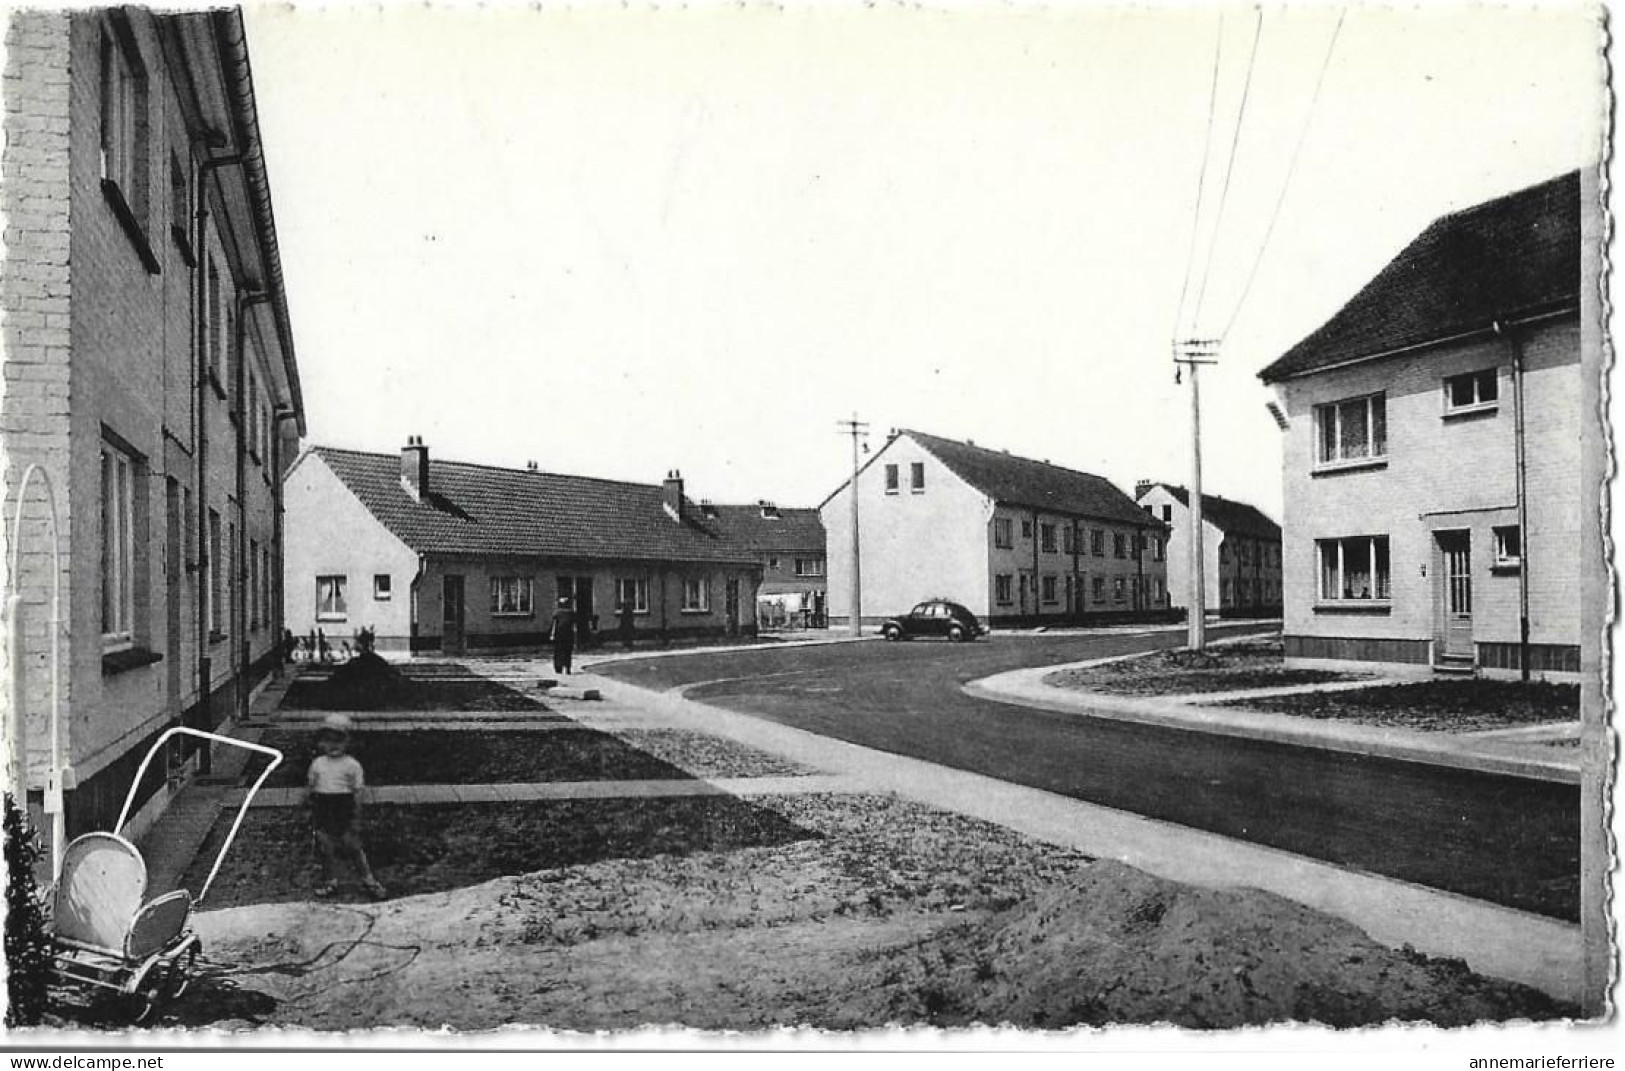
(858,430)
(1191,354)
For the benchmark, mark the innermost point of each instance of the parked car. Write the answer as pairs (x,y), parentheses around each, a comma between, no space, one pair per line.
(934,617)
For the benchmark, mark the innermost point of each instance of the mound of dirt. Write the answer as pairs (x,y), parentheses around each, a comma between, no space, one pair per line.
(367,682)
(1116,945)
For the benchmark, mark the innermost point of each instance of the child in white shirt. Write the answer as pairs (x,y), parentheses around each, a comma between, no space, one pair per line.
(334,786)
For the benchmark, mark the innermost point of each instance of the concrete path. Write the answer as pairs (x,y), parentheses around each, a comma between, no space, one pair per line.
(1521,756)
(522,792)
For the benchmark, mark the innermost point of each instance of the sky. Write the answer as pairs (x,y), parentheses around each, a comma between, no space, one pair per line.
(617,242)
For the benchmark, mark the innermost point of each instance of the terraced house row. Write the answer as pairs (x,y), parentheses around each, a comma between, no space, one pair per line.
(142,282)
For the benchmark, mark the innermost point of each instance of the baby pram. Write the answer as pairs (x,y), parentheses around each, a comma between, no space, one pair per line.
(108,941)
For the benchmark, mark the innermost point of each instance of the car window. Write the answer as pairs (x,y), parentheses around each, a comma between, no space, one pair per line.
(922,610)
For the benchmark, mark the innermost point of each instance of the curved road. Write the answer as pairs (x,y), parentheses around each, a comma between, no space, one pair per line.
(1505,839)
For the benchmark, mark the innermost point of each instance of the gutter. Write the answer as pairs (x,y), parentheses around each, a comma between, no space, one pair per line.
(232,45)
(1520,467)
(1495,329)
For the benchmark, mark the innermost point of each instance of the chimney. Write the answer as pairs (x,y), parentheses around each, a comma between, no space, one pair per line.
(672,495)
(415,468)
(770,511)
(1141,488)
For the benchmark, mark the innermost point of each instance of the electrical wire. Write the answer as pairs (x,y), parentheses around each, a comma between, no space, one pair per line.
(1292,166)
(1201,178)
(1229,168)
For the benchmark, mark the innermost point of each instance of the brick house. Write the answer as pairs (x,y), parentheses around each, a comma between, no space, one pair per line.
(1017,541)
(150,374)
(789,543)
(1241,551)
(1432,454)
(449,556)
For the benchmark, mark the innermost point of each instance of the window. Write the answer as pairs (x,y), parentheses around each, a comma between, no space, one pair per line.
(1001,588)
(124,122)
(252,415)
(772,563)
(1069,539)
(180,209)
(696,594)
(216,604)
(265,586)
(1099,588)
(1167,514)
(510,596)
(1119,545)
(1026,529)
(633,591)
(1354,569)
(1097,542)
(118,547)
(1508,545)
(382,586)
(891,479)
(1351,430)
(1046,538)
(211,307)
(330,598)
(1003,532)
(1158,548)
(1117,589)
(1047,588)
(1471,392)
(916,477)
(809,567)
(1224,592)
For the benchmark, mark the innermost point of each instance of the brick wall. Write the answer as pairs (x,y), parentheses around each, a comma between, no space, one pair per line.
(35,290)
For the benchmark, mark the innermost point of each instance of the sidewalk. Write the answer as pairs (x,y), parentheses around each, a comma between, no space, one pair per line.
(1521,752)
(1493,940)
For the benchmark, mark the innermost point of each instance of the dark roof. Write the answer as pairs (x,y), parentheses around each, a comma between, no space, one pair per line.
(1515,256)
(789,529)
(1232,517)
(1021,481)
(480,509)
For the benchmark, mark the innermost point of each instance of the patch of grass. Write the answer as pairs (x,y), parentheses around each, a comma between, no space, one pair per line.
(471,757)
(1436,706)
(1223,668)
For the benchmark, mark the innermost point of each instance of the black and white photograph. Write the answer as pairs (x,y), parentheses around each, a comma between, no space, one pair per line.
(808,526)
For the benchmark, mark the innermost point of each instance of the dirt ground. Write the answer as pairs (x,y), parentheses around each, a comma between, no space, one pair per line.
(1221,668)
(1457,706)
(876,911)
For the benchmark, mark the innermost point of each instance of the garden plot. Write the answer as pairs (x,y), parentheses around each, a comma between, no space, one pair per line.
(1450,706)
(1221,668)
(834,911)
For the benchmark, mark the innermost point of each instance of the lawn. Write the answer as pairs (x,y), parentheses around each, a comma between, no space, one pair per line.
(1449,706)
(1222,668)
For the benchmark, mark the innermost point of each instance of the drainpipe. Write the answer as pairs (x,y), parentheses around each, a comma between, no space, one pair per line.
(245,299)
(1520,468)
(1076,609)
(1037,603)
(1139,568)
(200,324)
(278,595)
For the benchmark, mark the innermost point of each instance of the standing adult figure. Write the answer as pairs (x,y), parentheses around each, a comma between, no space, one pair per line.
(563,637)
(625,624)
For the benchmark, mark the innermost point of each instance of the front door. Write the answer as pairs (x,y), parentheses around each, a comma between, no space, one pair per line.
(451,614)
(582,602)
(1025,584)
(1453,586)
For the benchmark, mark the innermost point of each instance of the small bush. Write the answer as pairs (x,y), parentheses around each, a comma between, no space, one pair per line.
(28,945)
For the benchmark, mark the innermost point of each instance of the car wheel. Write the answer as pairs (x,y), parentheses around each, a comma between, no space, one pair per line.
(892,633)
(956,635)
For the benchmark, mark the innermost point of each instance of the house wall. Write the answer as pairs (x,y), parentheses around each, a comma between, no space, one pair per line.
(1441,473)
(1142,576)
(664,621)
(779,571)
(1221,561)
(915,546)
(330,533)
(98,354)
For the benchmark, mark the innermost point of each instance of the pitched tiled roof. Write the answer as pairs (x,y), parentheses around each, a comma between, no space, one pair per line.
(1020,481)
(1515,256)
(789,530)
(1231,517)
(479,509)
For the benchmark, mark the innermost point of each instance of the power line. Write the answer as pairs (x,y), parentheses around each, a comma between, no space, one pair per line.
(1291,167)
(1229,167)
(1201,177)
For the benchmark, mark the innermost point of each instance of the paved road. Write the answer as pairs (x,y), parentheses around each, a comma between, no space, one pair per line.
(1508,840)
